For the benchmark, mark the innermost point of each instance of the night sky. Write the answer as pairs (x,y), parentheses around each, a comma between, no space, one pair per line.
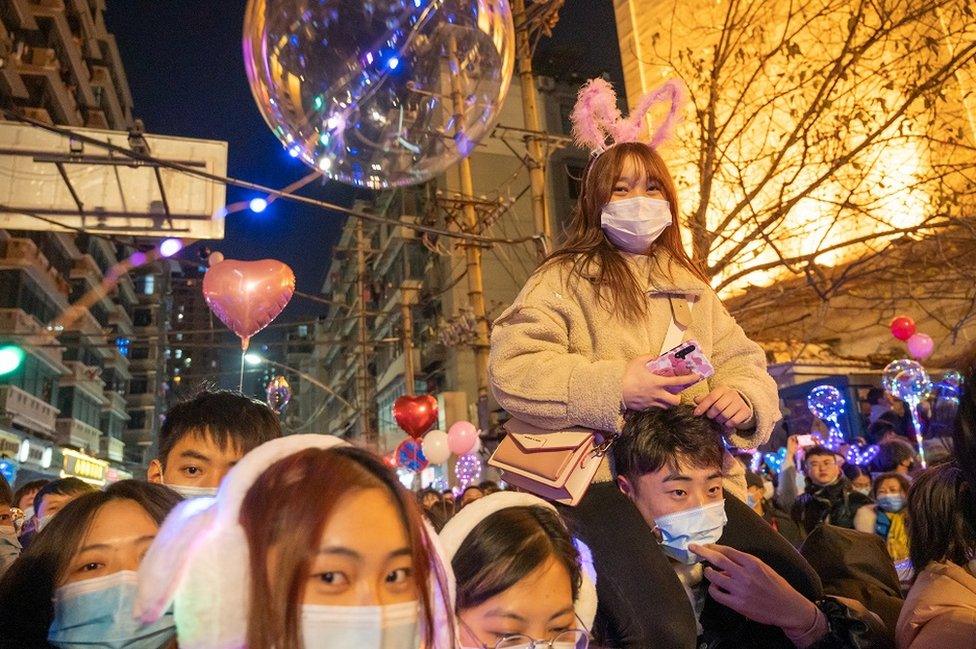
(184,66)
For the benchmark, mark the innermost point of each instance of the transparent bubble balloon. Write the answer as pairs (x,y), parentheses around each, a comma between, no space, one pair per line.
(906,379)
(379,93)
(825,402)
(952,379)
(278,393)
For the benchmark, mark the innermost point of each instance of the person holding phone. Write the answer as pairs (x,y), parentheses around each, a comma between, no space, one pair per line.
(573,349)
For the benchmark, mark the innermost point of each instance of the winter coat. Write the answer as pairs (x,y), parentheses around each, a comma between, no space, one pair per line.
(856,566)
(940,610)
(558,354)
(834,503)
(780,521)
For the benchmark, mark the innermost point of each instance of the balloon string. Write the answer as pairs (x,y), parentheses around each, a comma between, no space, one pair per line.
(240,386)
(917,423)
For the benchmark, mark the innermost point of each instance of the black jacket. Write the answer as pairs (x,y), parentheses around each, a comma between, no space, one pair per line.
(856,566)
(835,501)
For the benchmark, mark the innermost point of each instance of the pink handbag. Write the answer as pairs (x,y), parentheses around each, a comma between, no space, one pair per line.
(557,465)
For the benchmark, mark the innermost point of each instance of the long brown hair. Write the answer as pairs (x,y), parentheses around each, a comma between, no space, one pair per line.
(586,244)
(287,508)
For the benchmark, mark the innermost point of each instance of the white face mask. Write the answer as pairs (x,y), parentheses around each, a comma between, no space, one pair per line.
(340,627)
(193,492)
(633,224)
(768,490)
(701,525)
(866,491)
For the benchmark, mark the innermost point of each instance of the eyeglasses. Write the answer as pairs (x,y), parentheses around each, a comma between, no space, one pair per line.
(568,639)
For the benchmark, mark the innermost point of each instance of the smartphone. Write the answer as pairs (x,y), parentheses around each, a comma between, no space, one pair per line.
(804,441)
(686,358)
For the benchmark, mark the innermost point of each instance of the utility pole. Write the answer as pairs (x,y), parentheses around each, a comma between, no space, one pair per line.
(536,161)
(369,434)
(408,291)
(476,290)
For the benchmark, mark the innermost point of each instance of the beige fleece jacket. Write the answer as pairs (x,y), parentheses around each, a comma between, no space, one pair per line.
(558,356)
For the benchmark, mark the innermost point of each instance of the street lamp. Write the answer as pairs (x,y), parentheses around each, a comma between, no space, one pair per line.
(253,359)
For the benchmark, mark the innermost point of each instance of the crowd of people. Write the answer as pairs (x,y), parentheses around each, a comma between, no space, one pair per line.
(242,537)
(307,541)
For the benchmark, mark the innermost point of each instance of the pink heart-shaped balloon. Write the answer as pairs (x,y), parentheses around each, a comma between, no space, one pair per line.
(248,295)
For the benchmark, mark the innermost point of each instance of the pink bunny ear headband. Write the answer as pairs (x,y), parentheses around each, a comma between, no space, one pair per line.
(598,124)
(200,561)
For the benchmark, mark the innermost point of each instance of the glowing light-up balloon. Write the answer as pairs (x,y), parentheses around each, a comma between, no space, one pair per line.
(468,470)
(907,380)
(379,93)
(278,393)
(862,456)
(248,295)
(826,403)
(775,460)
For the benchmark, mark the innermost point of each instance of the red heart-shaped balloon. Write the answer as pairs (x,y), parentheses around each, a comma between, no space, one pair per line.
(415,415)
(248,295)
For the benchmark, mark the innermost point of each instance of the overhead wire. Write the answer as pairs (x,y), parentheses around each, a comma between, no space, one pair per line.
(270,191)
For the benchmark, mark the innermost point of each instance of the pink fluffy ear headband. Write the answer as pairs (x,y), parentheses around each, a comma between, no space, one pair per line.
(598,124)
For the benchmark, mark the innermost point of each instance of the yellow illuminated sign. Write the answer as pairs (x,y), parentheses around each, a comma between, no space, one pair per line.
(82,466)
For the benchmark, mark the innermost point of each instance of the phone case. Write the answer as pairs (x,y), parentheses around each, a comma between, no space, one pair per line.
(686,358)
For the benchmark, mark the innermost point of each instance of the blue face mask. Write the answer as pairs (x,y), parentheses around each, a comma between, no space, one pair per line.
(97,613)
(891,502)
(701,525)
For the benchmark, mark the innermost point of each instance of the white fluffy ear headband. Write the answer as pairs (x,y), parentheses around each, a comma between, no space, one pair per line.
(462,524)
(200,562)
(598,124)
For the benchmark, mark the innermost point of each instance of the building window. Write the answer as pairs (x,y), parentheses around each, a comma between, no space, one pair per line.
(148,284)
(142,317)
(139,385)
(140,352)
(137,419)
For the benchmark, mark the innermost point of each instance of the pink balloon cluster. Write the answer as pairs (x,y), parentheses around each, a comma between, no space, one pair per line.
(920,346)
(460,439)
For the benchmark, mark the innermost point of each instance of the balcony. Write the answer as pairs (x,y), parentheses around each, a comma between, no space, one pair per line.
(86,378)
(19,323)
(101,78)
(138,437)
(119,318)
(23,253)
(111,449)
(78,434)
(26,410)
(116,402)
(84,267)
